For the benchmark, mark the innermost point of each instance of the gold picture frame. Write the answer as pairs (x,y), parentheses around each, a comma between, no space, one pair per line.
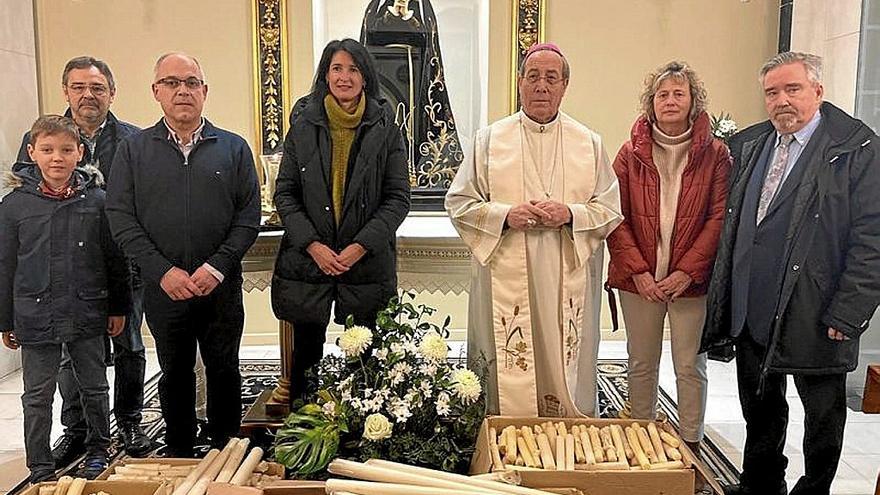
(528,28)
(271,77)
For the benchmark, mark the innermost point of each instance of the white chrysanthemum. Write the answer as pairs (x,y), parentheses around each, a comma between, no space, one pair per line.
(329,409)
(377,427)
(355,340)
(466,385)
(442,404)
(433,347)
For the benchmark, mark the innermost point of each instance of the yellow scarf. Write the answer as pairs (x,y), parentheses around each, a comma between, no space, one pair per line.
(342,130)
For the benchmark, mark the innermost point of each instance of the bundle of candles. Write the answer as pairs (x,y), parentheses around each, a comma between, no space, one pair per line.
(560,447)
(378,477)
(67,486)
(227,466)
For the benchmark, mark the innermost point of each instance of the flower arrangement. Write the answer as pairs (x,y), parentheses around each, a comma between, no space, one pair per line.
(723,126)
(393,395)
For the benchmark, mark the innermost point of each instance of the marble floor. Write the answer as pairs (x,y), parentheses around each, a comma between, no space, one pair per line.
(856,475)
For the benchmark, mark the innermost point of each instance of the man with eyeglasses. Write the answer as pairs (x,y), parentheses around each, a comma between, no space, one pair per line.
(184,202)
(89,89)
(534,201)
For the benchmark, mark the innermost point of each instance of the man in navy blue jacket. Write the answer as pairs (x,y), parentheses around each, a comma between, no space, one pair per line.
(184,202)
(89,89)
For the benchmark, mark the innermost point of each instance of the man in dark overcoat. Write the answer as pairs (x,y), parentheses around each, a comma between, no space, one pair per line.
(796,277)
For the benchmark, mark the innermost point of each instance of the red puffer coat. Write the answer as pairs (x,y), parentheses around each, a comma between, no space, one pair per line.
(698,219)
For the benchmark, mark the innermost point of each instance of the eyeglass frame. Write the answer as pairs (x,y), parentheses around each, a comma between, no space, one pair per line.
(191,83)
(535,78)
(96,89)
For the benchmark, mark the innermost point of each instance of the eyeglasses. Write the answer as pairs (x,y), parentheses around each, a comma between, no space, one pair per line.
(191,83)
(95,89)
(551,79)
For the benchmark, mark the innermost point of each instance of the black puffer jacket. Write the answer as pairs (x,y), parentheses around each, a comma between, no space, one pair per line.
(832,251)
(61,274)
(375,204)
(114,132)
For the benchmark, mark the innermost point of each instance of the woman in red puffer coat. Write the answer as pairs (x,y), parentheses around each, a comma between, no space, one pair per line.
(673,187)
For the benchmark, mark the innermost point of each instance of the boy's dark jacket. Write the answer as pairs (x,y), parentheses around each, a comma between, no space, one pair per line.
(61,274)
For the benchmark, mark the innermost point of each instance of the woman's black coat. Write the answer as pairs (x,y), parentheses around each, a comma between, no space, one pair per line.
(376,202)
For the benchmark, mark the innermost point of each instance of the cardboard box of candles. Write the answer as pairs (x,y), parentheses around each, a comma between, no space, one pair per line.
(597,456)
(295,488)
(80,486)
(194,476)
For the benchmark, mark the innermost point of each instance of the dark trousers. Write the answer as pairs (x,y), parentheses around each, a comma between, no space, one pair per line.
(216,322)
(128,388)
(308,349)
(40,371)
(766,415)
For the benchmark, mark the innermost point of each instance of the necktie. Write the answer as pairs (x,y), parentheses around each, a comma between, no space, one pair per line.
(774,176)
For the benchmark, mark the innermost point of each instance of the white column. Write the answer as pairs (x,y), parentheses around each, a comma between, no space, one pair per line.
(20,104)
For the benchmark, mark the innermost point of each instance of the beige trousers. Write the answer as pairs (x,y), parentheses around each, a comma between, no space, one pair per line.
(644,333)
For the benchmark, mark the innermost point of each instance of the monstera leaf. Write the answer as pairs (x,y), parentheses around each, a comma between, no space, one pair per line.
(308,441)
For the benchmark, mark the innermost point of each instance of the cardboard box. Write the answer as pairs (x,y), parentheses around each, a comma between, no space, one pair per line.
(127,461)
(289,487)
(871,400)
(273,468)
(667,482)
(110,487)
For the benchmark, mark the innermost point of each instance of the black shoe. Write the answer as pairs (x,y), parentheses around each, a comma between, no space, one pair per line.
(748,490)
(41,476)
(93,466)
(67,449)
(182,453)
(137,444)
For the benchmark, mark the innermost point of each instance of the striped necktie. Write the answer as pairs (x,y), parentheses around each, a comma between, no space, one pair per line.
(774,176)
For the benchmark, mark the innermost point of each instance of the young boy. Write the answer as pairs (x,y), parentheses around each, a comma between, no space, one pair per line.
(63,283)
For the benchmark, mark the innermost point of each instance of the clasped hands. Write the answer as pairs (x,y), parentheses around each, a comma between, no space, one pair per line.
(666,290)
(547,213)
(180,285)
(335,264)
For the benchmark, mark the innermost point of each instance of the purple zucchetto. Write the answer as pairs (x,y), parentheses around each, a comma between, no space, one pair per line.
(538,47)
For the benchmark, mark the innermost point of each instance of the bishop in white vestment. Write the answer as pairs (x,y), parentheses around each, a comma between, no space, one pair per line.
(534,201)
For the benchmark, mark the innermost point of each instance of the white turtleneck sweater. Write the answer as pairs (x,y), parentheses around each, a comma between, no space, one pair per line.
(670,155)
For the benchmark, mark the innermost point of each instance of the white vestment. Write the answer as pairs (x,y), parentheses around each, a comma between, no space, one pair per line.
(535,295)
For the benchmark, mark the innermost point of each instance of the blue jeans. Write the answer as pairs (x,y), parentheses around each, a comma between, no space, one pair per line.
(130,363)
(40,371)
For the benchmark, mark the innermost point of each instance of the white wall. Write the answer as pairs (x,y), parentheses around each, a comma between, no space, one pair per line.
(830,29)
(18,81)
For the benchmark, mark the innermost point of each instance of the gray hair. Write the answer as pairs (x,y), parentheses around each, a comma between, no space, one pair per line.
(566,69)
(812,63)
(682,72)
(179,54)
(86,62)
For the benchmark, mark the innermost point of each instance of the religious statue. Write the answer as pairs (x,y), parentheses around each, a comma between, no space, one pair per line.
(402,36)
